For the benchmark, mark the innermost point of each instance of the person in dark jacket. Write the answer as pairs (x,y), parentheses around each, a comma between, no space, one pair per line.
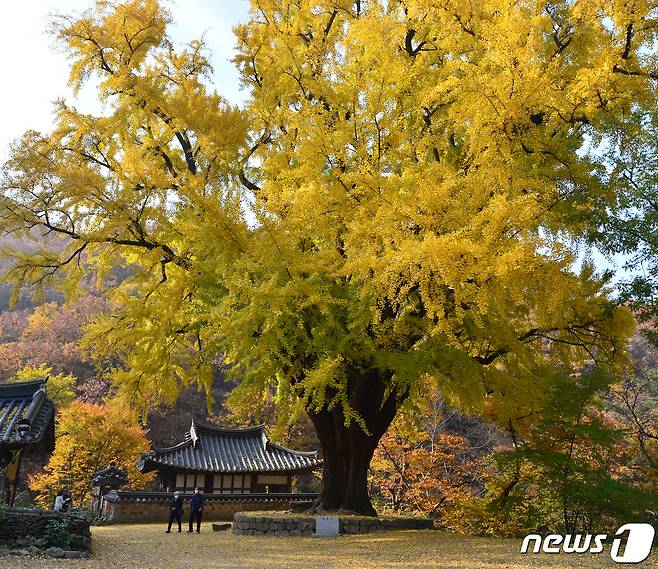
(67,501)
(196,509)
(175,511)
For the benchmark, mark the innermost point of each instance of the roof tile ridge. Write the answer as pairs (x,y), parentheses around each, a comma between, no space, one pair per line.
(204,426)
(182,444)
(308,453)
(23,388)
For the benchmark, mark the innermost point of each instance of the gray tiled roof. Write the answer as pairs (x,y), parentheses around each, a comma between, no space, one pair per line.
(217,449)
(110,476)
(24,403)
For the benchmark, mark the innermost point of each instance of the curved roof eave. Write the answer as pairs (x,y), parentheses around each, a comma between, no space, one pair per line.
(183,444)
(305,454)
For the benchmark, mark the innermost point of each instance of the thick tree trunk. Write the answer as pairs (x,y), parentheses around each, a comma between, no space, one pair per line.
(347,450)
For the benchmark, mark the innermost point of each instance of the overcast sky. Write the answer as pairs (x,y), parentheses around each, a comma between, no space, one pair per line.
(34,73)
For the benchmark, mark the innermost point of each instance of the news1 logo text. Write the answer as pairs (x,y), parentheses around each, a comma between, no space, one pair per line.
(637,548)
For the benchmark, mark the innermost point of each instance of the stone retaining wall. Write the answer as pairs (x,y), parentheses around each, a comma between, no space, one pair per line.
(271,523)
(19,526)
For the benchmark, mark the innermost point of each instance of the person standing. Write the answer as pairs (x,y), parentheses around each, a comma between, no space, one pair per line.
(196,509)
(59,501)
(175,511)
(67,501)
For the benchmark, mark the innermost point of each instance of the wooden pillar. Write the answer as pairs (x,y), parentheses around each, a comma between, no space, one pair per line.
(11,477)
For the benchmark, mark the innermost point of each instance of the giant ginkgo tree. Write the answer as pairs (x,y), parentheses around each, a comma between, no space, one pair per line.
(396,204)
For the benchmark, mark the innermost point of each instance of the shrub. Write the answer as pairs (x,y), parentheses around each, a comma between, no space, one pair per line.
(57,533)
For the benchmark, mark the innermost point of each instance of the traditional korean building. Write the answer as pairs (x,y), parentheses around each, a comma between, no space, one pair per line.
(27,427)
(238,469)
(227,461)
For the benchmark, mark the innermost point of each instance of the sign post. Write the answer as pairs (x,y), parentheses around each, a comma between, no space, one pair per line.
(327,526)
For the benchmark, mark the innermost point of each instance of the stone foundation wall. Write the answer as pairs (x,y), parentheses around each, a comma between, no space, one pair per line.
(245,523)
(19,526)
(145,510)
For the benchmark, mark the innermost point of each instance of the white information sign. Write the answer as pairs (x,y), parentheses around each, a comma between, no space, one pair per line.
(326,526)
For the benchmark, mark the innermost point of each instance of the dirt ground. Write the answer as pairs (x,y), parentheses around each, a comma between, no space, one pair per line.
(148,547)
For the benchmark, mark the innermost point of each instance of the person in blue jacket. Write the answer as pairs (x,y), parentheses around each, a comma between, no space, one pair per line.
(196,509)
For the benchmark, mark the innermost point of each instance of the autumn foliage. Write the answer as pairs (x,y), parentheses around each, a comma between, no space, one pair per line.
(47,335)
(89,437)
(422,475)
(570,469)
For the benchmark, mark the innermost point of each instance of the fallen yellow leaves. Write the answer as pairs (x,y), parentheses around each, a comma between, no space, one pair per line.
(147,547)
